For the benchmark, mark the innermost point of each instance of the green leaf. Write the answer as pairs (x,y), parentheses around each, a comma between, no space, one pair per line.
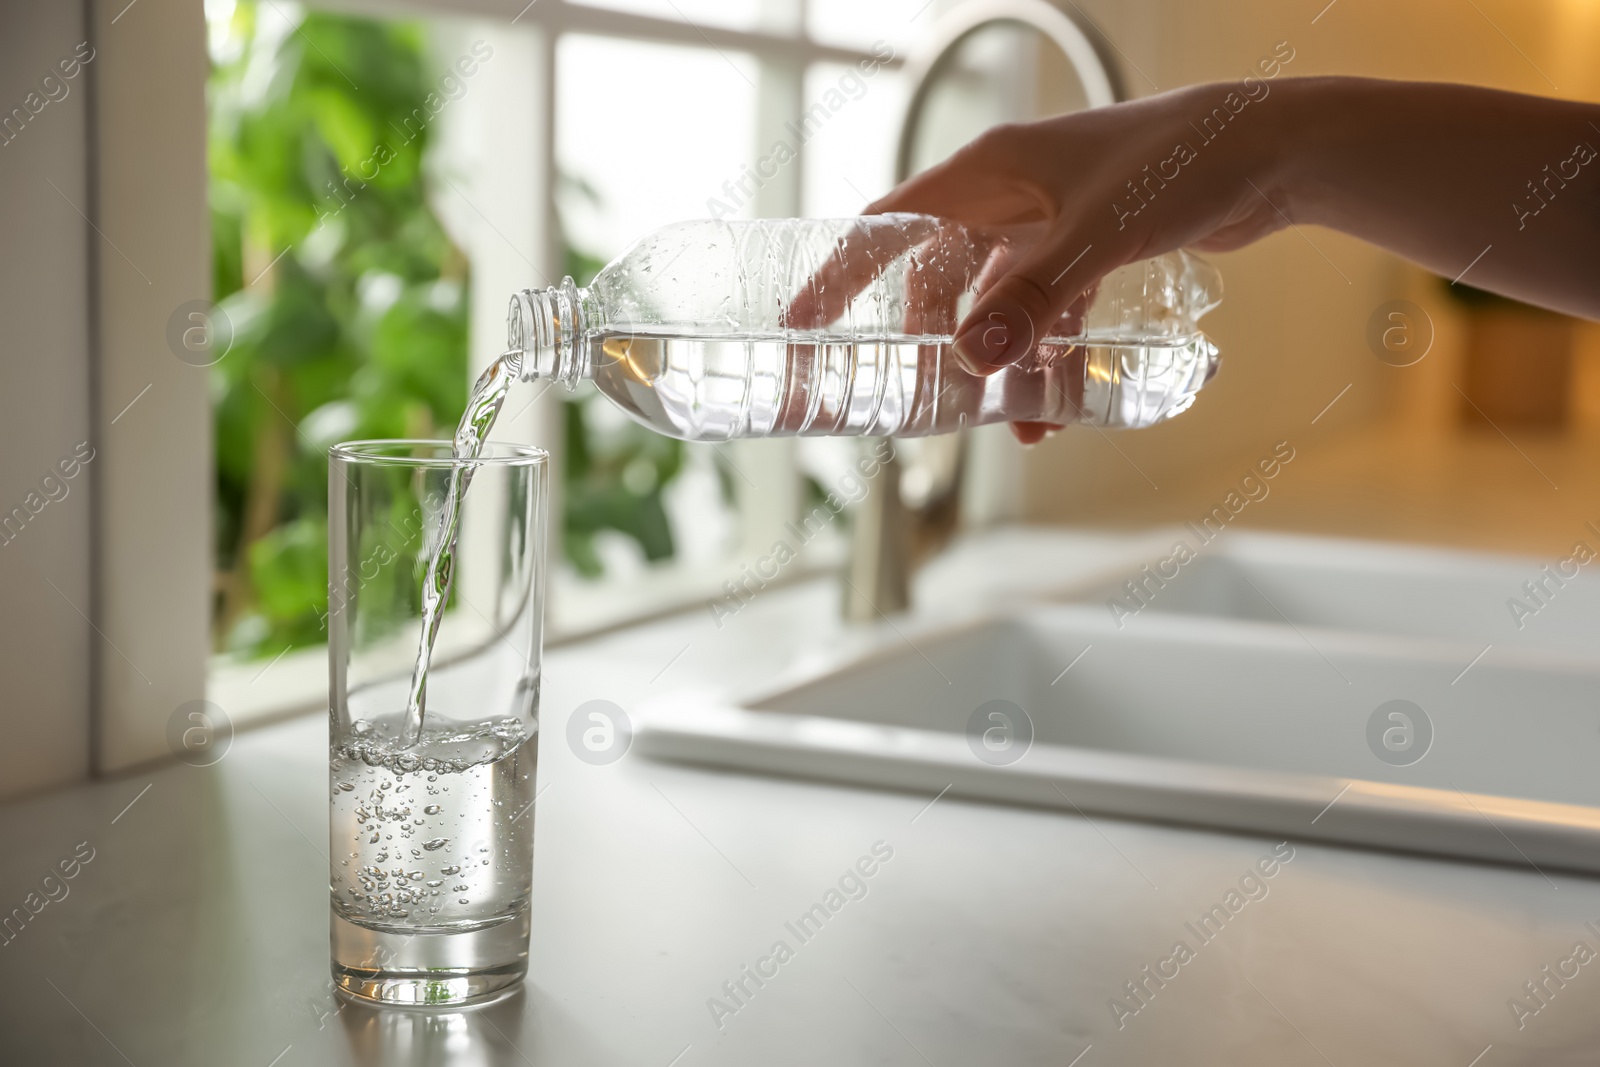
(289,570)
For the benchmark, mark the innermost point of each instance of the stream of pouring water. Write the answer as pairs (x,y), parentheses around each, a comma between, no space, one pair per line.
(483,406)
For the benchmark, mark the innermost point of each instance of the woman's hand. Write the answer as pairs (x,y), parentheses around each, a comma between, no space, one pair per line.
(1110,186)
(1457,178)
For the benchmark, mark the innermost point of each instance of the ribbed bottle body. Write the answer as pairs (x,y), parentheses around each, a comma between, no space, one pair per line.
(716,330)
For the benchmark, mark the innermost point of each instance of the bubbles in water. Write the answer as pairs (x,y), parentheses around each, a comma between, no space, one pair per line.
(424,883)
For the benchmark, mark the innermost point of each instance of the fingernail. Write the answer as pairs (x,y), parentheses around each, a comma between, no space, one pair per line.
(986,345)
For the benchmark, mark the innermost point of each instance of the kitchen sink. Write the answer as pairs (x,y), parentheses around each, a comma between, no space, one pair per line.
(1506,601)
(1368,694)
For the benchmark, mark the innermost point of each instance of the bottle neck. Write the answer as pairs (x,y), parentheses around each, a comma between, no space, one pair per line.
(546,329)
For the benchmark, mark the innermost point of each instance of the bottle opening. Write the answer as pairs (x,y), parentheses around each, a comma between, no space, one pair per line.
(544,331)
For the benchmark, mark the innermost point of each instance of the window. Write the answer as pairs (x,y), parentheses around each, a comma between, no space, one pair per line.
(380,186)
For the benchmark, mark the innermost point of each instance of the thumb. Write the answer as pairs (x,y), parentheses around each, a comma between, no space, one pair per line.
(1021,309)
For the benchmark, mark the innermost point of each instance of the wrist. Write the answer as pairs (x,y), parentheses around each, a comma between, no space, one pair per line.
(1290,166)
(1328,129)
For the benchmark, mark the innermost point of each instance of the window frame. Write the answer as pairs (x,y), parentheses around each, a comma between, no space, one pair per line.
(151,534)
(153,543)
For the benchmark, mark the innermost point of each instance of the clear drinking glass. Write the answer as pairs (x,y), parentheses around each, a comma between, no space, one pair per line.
(431,841)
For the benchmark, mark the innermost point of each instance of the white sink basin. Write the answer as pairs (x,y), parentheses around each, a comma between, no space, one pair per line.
(1242,696)
(1376,588)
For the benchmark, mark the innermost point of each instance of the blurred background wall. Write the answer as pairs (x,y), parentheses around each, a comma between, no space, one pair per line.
(1401,454)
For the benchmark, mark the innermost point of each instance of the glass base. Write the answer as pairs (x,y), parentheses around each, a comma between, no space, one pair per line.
(426,967)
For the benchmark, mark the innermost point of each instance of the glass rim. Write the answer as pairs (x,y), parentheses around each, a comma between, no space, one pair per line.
(400,452)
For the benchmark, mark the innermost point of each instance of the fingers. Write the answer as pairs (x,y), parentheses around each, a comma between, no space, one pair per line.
(1023,307)
(985,201)
(978,186)
(857,258)
(981,184)
(1031,433)
(935,275)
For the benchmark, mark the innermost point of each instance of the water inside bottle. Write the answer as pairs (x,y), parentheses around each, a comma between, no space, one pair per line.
(713,388)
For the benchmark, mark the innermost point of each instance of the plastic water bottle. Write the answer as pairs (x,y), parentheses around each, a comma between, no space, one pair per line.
(710,330)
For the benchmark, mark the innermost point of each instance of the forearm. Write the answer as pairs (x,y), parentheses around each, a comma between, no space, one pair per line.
(1497,189)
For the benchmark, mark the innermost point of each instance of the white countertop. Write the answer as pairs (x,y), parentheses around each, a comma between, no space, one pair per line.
(197,933)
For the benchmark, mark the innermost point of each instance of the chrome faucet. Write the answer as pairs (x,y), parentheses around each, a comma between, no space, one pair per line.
(913,504)
(911,510)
